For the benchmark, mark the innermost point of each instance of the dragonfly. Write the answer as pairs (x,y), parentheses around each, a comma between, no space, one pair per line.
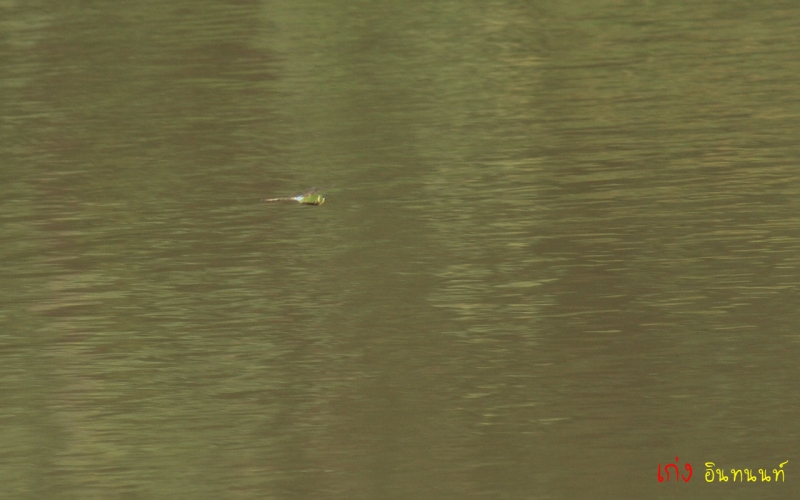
(310,196)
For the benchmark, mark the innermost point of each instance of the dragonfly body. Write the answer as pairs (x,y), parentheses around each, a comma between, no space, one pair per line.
(309,197)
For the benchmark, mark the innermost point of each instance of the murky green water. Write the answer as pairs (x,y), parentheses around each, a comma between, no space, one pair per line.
(563,247)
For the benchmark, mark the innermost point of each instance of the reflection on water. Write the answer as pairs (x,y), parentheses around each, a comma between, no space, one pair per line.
(563,248)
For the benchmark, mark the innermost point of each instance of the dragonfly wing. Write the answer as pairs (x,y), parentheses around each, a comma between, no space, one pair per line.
(314,189)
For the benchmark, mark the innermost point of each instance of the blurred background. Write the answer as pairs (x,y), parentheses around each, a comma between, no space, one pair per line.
(562,249)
